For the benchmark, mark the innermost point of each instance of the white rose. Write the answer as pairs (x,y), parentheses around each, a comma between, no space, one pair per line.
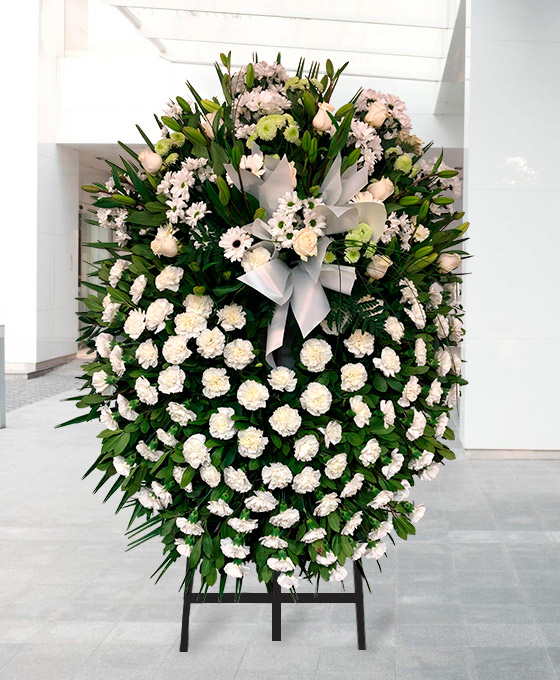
(282,379)
(201,304)
(447,262)
(360,343)
(135,323)
(370,453)
(101,385)
(362,412)
(389,363)
(254,257)
(171,380)
(147,354)
(417,426)
(276,476)
(378,266)
(322,122)
(157,314)
(116,272)
(151,162)
(306,448)
(232,317)
(210,475)
(238,354)
(285,420)
(305,243)
(376,115)
(252,395)
(410,391)
(326,505)
(394,328)
(221,425)
(316,399)
(215,382)
(307,480)
(333,433)
(353,377)
(180,414)
(195,451)
(420,352)
(121,466)
(262,501)
(251,442)
(175,349)
(315,354)
(285,519)
(169,278)
(236,480)
(336,465)
(382,189)
(137,288)
(165,243)
(103,344)
(210,343)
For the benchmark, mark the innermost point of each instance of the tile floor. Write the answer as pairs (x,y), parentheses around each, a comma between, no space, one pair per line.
(476,595)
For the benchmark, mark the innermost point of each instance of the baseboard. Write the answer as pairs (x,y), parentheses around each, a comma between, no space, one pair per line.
(511,454)
(29,371)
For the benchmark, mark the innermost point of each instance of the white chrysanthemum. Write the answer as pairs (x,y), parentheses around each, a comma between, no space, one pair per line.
(121,466)
(316,399)
(391,469)
(195,451)
(389,363)
(103,344)
(274,542)
(211,343)
(420,352)
(171,380)
(276,476)
(417,426)
(315,355)
(251,442)
(190,324)
(353,377)
(435,393)
(232,550)
(285,420)
(106,419)
(307,480)
(394,328)
(352,524)
(153,455)
(285,519)
(124,408)
(135,323)
(221,424)
(175,350)
(232,317)
(333,433)
(147,354)
(370,452)
(254,258)
(157,314)
(262,501)
(243,526)
(238,354)
(236,480)
(180,414)
(313,535)
(116,272)
(210,475)
(199,304)
(360,343)
(281,564)
(336,465)
(169,278)
(410,392)
(101,385)
(188,527)
(137,288)
(282,379)
(306,448)
(361,410)
(215,382)
(326,505)
(252,395)
(219,508)
(381,500)
(387,408)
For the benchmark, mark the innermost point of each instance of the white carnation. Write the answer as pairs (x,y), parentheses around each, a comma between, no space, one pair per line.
(420,352)
(190,324)
(376,552)
(121,466)
(232,550)
(221,424)
(307,480)
(116,361)
(171,380)
(251,442)
(215,382)
(243,526)
(361,410)
(210,343)
(232,317)
(180,414)
(236,570)
(276,476)
(101,385)
(199,304)
(417,513)
(333,433)
(285,420)
(153,455)
(316,399)
(443,357)
(106,419)
(124,408)
(391,469)
(315,354)
(306,448)
(252,395)
(442,326)
(282,379)
(188,527)
(103,344)
(157,314)
(410,391)
(285,519)
(388,410)
(353,377)
(327,559)
(382,530)
(219,508)
(262,501)
(175,350)
(441,424)
(314,535)
(381,500)
(238,354)
(389,363)
(135,323)
(147,354)
(283,564)
(288,582)
(352,524)
(430,473)
(370,453)
(165,437)
(254,258)
(236,480)
(326,505)
(110,309)
(169,278)
(336,465)
(116,272)
(394,328)
(210,475)
(434,395)
(360,343)
(195,451)
(137,288)
(417,426)
(419,463)
(274,542)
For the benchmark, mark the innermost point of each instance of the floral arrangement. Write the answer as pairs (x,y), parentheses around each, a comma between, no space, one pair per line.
(275,327)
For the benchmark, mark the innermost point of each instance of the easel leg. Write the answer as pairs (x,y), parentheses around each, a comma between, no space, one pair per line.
(360,623)
(276,611)
(186,615)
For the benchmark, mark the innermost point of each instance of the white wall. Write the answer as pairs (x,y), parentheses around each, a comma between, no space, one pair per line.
(512,193)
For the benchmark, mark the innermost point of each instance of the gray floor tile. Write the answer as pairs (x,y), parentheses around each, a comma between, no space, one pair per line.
(504,635)
(430,662)
(507,663)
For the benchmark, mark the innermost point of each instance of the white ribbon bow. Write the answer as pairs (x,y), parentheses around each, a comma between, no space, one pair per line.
(301,287)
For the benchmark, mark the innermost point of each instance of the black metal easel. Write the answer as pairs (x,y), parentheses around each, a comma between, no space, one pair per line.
(276,598)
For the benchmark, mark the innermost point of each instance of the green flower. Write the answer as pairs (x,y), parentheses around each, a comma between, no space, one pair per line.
(329,257)
(291,134)
(404,163)
(352,255)
(163,146)
(296,83)
(318,84)
(362,233)
(172,158)
(266,128)
(177,139)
